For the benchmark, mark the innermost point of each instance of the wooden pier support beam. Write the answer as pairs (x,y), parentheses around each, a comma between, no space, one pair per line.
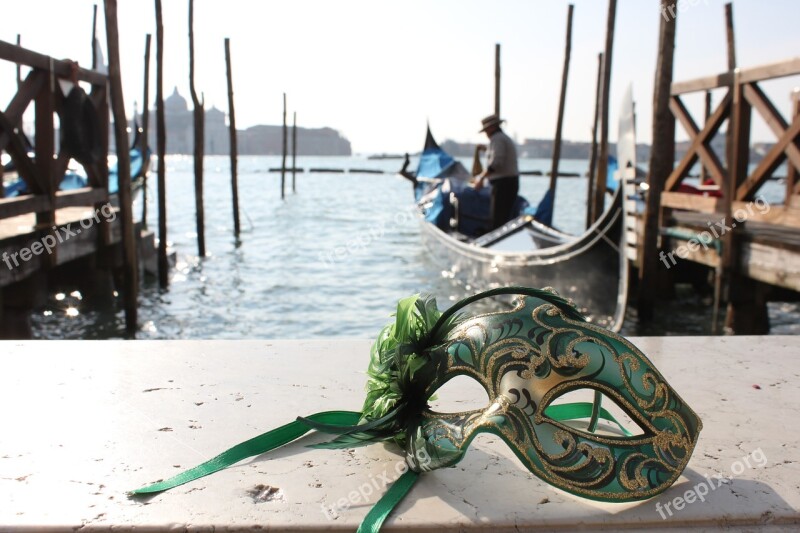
(161,142)
(662,161)
(747,309)
(602,170)
(747,306)
(131,282)
(143,142)
(234,151)
(17,302)
(792,171)
(199,140)
(707,113)
(44,141)
(747,312)
(593,156)
(561,103)
(497,79)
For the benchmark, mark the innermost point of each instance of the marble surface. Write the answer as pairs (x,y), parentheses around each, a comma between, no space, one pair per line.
(83,422)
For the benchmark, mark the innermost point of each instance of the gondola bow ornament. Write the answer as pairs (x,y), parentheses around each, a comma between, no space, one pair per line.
(526,358)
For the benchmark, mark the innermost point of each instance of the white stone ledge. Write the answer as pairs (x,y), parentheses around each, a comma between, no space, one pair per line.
(81,423)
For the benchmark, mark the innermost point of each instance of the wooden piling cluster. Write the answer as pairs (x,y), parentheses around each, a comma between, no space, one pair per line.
(131,266)
(42,173)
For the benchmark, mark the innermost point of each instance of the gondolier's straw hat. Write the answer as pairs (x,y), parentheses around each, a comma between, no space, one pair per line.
(491,120)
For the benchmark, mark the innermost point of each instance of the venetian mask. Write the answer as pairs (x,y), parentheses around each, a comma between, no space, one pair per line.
(526,359)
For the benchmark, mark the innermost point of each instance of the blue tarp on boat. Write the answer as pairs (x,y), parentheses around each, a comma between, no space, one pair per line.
(544,211)
(434,162)
(73,180)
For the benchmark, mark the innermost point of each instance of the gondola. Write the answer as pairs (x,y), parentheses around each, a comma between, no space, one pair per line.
(526,251)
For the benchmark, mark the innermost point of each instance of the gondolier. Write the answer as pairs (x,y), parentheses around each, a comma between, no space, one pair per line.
(502,171)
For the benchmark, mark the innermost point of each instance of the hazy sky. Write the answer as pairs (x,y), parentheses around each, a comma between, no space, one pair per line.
(377,70)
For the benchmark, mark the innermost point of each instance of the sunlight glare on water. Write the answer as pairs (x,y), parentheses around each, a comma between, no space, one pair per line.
(329,261)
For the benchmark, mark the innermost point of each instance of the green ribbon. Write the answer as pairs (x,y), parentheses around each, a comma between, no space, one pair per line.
(382,509)
(249,448)
(344,421)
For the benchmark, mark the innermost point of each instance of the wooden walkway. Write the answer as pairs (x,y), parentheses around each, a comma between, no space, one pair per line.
(769,253)
(78,233)
(46,227)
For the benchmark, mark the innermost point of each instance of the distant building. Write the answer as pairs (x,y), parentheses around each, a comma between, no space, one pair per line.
(257,140)
(267,140)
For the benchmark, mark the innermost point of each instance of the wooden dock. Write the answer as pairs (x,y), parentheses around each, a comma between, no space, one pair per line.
(44,230)
(751,247)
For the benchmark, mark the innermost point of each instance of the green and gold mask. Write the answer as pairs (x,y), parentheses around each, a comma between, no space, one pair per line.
(525,358)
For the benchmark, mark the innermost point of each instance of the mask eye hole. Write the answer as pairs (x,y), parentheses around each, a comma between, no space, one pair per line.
(460,394)
(612,421)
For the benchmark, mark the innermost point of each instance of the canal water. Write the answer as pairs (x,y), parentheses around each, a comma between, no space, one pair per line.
(331,260)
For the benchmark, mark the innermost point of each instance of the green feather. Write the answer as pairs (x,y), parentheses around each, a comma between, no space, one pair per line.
(400,366)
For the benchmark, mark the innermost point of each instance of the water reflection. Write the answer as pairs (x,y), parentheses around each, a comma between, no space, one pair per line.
(329,261)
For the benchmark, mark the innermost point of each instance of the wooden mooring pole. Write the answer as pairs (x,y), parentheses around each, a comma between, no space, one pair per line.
(283,151)
(602,159)
(199,140)
(747,312)
(294,150)
(131,282)
(662,161)
(497,79)
(730,38)
(143,143)
(561,103)
(722,272)
(234,151)
(593,156)
(161,142)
